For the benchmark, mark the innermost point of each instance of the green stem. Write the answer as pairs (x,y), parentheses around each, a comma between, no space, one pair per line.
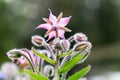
(64,76)
(57,66)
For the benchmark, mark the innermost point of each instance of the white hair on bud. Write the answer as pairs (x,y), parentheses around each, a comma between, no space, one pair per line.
(38,43)
(78,37)
(13,51)
(49,70)
(65,44)
(87,46)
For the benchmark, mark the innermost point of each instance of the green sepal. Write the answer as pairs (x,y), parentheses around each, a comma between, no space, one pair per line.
(66,54)
(80,73)
(71,63)
(35,76)
(85,57)
(43,56)
(16,55)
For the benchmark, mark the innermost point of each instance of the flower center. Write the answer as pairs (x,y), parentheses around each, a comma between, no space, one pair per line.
(54,28)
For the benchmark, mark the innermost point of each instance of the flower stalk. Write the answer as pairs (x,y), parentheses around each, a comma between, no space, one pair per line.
(57,66)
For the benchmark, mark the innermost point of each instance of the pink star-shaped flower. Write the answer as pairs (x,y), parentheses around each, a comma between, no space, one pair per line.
(55,25)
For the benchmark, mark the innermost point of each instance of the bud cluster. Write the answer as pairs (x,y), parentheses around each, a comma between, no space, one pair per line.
(51,59)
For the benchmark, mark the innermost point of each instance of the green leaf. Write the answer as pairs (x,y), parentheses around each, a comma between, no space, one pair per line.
(80,73)
(43,56)
(66,54)
(77,54)
(85,57)
(71,63)
(35,76)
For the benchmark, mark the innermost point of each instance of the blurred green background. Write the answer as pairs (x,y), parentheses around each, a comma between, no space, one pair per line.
(98,19)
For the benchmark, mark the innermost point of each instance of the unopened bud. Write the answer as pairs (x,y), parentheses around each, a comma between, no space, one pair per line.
(71,39)
(78,37)
(49,71)
(65,45)
(15,53)
(83,46)
(37,40)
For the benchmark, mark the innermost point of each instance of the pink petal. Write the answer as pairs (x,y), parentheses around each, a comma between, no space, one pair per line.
(32,56)
(61,33)
(44,26)
(52,17)
(51,35)
(22,60)
(64,21)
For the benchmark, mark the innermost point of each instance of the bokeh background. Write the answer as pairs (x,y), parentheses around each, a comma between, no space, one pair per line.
(98,19)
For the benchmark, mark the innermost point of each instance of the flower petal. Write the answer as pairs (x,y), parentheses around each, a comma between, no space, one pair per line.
(60,16)
(64,21)
(51,35)
(61,33)
(44,26)
(48,32)
(47,21)
(52,17)
(64,28)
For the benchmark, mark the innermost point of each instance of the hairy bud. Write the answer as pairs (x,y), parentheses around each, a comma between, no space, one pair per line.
(71,39)
(15,53)
(37,40)
(83,46)
(78,37)
(65,45)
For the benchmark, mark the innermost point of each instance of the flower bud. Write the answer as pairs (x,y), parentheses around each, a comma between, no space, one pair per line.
(37,40)
(83,46)
(49,71)
(71,39)
(78,37)
(56,44)
(15,53)
(65,45)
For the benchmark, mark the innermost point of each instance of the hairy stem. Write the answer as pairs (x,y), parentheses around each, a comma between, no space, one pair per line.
(64,76)
(57,66)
